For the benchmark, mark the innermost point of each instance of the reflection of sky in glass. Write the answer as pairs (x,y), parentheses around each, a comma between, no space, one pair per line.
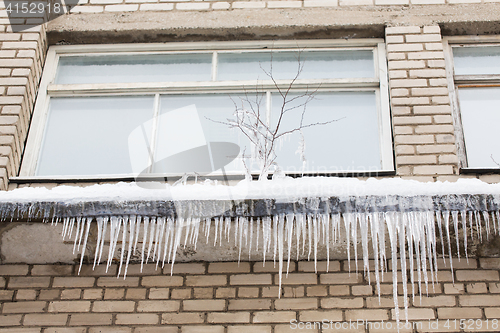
(476,60)
(480,112)
(350,142)
(134,68)
(316,65)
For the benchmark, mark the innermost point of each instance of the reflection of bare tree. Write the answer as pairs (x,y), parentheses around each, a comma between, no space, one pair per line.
(491,156)
(250,118)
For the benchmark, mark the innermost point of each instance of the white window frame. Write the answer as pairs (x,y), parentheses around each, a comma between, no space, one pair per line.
(378,84)
(456,81)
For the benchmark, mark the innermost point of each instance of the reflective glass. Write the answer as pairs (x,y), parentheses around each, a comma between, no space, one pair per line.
(91,136)
(285,65)
(476,60)
(193,135)
(343,136)
(480,112)
(134,68)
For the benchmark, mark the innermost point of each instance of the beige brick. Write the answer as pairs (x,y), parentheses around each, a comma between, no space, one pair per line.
(192,6)
(89,319)
(341,278)
(295,303)
(17,282)
(321,266)
(225,293)
(24,307)
(320,3)
(436,149)
(410,100)
(10,320)
(185,268)
(203,292)
(476,288)
(415,314)
(25,294)
(490,313)
(73,282)
(221,5)
(6,295)
(297,279)
(137,319)
(405,150)
(494,288)
(229,267)
(202,329)
(249,304)
(248,4)
(201,280)
(228,317)
(366,290)
(317,291)
(92,294)
(434,301)
(404,47)
(113,306)
(423,38)
(400,92)
(163,293)
(89,270)
(157,6)
(45,319)
(248,292)
(69,330)
(204,305)
(396,56)
(182,318)
(273,316)
(69,306)
(385,302)
(412,120)
(320,315)
(370,314)
(394,39)
(135,293)
(432,170)
(489,263)
(414,139)
(115,330)
(477,275)
(114,293)
(340,290)
(136,269)
(48,294)
(401,30)
(427,73)
(479,300)
(13,270)
(162,281)
(118,282)
(284,4)
(268,267)
(416,159)
(341,303)
(406,64)
(426,55)
(158,306)
(459,313)
(71,294)
(398,74)
(121,8)
(432,109)
(250,279)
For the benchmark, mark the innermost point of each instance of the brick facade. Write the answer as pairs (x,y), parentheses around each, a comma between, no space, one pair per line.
(227,297)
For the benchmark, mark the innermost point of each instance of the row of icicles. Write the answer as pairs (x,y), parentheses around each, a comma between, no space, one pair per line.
(412,234)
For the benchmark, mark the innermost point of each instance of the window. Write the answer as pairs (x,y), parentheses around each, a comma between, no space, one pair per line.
(475,92)
(123,110)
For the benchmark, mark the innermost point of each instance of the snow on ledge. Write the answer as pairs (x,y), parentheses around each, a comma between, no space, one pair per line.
(282,190)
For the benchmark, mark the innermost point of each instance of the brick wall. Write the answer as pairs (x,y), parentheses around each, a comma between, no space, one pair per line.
(232,298)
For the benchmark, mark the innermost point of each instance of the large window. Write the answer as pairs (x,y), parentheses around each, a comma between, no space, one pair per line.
(166,109)
(474,72)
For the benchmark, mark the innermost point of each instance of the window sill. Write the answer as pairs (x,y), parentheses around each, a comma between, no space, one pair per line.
(479,171)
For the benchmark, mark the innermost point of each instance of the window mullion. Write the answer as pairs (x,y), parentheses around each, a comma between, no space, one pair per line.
(214,66)
(154,132)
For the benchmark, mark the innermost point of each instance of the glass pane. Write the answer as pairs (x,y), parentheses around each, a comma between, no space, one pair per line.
(191,137)
(476,60)
(349,141)
(90,136)
(134,68)
(480,119)
(285,65)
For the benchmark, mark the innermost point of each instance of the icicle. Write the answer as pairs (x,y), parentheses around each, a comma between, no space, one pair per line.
(392,238)
(363,226)
(145,222)
(454,216)
(88,222)
(124,244)
(132,221)
(463,217)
